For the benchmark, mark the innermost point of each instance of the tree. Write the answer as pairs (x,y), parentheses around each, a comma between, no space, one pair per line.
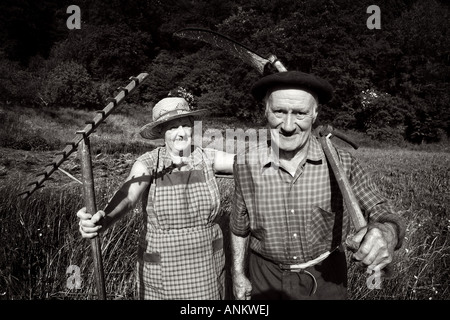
(380,115)
(110,52)
(28,28)
(17,83)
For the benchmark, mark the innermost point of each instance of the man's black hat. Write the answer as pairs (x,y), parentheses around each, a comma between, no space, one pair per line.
(291,80)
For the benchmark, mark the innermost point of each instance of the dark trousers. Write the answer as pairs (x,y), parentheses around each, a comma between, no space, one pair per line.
(269,282)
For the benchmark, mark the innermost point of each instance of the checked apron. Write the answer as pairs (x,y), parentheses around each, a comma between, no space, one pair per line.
(180,253)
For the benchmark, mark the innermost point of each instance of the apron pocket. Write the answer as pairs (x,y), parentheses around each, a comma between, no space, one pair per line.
(150,264)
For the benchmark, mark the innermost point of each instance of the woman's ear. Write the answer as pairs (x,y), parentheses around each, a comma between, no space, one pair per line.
(161,131)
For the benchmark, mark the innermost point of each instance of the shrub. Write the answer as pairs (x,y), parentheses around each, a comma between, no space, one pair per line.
(380,115)
(69,85)
(108,52)
(17,84)
(420,127)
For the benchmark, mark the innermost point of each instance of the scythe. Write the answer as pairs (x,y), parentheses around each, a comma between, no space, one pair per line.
(260,64)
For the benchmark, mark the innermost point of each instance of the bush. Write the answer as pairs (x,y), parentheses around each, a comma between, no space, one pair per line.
(107,52)
(420,128)
(69,85)
(17,84)
(381,115)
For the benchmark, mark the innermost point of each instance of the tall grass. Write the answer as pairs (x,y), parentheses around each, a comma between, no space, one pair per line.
(41,241)
(40,235)
(418,184)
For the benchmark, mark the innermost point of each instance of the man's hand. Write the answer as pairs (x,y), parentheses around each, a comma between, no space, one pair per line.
(90,224)
(242,288)
(376,245)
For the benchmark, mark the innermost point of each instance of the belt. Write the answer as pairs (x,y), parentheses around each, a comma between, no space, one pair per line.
(300,268)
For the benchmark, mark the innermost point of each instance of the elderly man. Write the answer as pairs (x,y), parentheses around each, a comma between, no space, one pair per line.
(288,216)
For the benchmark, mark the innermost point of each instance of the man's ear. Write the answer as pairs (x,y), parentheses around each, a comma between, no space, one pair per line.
(315,112)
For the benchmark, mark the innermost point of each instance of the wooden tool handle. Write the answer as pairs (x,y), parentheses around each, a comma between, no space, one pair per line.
(89,198)
(350,200)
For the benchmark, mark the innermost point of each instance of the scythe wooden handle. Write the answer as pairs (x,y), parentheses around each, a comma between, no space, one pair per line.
(89,198)
(350,200)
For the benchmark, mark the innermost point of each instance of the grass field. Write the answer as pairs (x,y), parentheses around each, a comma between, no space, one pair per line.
(41,246)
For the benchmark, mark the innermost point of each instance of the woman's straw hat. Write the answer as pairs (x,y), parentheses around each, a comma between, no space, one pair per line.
(166,110)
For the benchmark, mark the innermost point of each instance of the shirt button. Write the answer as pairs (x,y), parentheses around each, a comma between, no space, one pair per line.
(294,257)
(292,211)
(294,236)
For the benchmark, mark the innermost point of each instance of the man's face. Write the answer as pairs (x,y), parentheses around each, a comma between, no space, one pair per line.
(291,113)
(178,135)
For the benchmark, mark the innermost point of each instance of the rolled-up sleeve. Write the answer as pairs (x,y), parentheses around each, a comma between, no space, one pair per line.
(239,220)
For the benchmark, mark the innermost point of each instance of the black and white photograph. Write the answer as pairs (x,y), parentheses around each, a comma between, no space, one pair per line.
(227,155)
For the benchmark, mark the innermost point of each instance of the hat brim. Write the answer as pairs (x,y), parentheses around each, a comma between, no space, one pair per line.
(152,130)
(290,80)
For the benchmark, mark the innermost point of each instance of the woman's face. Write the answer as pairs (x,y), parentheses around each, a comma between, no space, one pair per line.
(178,135)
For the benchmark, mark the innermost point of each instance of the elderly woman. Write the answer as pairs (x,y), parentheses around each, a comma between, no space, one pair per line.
(180,253)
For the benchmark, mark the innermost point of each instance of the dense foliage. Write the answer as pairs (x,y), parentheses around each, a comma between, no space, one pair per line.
(391,83)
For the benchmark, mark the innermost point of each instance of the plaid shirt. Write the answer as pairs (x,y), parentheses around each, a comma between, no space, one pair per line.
(294,219)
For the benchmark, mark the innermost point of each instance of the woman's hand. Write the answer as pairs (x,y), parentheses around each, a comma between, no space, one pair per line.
(90,224)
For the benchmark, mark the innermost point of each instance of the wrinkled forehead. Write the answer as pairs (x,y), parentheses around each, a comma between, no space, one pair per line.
(295,97)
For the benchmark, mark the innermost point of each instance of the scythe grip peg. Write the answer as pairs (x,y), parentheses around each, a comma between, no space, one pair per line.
(276,63)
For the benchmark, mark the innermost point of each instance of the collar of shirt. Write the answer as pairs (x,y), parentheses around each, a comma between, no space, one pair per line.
(314,155)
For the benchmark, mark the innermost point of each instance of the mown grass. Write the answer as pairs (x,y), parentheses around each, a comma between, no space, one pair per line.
(40,238)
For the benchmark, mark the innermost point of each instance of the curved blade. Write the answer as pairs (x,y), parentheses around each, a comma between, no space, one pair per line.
(228,44)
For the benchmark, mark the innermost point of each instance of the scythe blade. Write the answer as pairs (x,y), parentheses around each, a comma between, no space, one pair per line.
(235,48)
